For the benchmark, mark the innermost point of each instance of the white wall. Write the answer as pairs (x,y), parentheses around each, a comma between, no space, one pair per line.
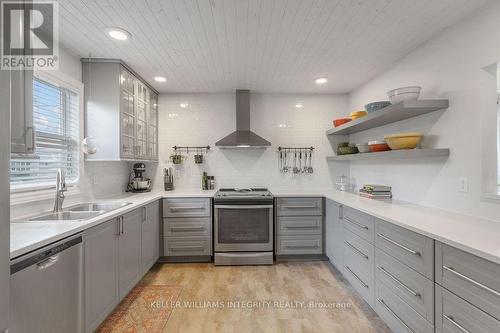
(210,117)
(449,66)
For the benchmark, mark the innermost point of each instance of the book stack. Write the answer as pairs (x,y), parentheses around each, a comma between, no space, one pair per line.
(380,192)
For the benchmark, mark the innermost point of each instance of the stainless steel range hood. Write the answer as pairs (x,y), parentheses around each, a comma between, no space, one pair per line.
(243,137)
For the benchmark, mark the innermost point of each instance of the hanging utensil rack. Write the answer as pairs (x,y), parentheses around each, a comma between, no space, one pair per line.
(294,149)
(288,154)
(192,148)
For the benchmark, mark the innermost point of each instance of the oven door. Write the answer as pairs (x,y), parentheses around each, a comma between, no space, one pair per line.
(243,228)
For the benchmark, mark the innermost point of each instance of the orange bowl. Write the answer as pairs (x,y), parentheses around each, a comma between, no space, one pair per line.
(341,121)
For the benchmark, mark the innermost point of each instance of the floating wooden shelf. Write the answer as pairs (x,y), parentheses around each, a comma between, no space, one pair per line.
(403,153)
(390,114)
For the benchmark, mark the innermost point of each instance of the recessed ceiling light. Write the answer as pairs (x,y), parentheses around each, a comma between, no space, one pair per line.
(160,79)
(321,80)
(184,105)
(299,105)
(118,33)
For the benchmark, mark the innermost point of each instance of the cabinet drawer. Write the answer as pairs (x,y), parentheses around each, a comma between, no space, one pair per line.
(412,249)
(299,225)
(299,206)
(398,315)
(413,288)
(356,248)
(177,246)
(361,279)
(359,223)
(472,278)
(192,207)
(312,244)
(453,314)
(193,226)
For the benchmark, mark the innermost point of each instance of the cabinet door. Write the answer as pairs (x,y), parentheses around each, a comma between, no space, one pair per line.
(128,117)
(129,251)
(153,126)
(101,273)
(150,235)
(334,233)
(141,126)
(22,136)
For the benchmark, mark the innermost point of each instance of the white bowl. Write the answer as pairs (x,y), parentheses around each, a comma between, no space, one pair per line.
(363,147)
(404,94)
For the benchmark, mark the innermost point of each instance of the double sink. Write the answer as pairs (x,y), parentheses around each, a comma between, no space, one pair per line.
(80,212)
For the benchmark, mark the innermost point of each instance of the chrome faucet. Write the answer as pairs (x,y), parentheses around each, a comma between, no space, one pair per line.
(60,189)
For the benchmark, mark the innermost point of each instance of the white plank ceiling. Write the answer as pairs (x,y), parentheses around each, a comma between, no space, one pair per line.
(262,45)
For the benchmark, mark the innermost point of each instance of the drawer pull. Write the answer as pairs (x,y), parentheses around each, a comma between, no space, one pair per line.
(186,208)
(407,249)
(301,227)
(474,282)
(187,248)
(186,228)
(357,277)
(395,279)
(302,246)
(357,224)
(356,250)
(395,315)
(300,207)
(457,325)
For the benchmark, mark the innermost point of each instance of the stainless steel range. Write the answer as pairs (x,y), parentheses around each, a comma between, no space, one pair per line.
(243,227)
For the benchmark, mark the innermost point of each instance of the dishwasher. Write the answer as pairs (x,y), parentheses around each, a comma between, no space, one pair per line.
(46,288)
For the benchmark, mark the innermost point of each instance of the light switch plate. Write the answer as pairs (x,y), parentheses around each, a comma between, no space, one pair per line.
(463,184)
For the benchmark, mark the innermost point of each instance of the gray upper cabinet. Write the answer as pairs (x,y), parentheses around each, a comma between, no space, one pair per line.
(129,251)
(22,136)
(121,112)
(150,235)
(101,272)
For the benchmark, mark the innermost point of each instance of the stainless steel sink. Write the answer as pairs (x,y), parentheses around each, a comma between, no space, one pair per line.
(66,216)
(96,207)
(80,212)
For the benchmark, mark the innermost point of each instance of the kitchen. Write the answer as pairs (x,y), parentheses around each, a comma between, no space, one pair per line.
(206,166)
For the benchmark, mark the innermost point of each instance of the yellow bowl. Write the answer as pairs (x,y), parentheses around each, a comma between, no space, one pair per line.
(403,140)
(358,114)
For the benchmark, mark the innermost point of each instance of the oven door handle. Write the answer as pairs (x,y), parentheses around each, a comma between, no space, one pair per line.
(243,206)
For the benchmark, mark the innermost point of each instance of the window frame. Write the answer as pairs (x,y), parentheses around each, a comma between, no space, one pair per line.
(43,191)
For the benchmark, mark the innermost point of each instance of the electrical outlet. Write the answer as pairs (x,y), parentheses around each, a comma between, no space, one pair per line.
(463,184)
(94,180)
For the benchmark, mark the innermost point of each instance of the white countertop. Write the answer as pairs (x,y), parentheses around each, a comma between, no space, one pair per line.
(477,236)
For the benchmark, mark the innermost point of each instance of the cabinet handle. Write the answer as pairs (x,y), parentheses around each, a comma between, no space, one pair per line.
(407,249)
(474,282)
(122,227)
(187,248)
(30,138)
(395,315)
(356,276)
(144,214)
(186,208)
(300,207)
(300,227)
(119,225)
(341,208)
(186,228)
(302,246)
(457,325)
(395,279)
(356,250)
(357,224)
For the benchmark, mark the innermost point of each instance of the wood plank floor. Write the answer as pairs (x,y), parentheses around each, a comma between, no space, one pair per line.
(271,299)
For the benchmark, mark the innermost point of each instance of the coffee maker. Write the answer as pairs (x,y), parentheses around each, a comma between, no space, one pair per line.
(137,182)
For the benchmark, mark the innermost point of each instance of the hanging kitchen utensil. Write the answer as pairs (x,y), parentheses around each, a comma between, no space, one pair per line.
(198,157)
(310,168)
(295,169)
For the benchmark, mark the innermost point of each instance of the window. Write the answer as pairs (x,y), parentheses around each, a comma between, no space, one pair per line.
(56,118)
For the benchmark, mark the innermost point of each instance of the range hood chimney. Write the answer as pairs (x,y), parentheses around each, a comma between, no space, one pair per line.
(243,137)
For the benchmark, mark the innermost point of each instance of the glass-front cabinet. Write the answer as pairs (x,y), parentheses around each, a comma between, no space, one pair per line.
(121,112)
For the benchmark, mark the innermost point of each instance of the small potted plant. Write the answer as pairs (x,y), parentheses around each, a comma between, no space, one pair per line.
(176,158)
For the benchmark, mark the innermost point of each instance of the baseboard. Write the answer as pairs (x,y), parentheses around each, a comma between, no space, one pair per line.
(185,259)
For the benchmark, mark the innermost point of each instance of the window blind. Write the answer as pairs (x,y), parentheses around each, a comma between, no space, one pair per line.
(56,123)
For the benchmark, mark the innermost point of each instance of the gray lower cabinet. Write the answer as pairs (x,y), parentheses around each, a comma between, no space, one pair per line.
(150,235)
(334,233)
(454,314)
(187,229)
(299,226)
(101,272)
(129,251)
(117,254)
(474,279)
